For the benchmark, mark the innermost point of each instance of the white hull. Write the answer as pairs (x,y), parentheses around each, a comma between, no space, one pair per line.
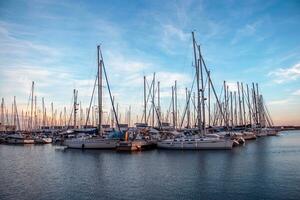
(91,143)
(197,144)
(43,140)
(19,141)
(249,136)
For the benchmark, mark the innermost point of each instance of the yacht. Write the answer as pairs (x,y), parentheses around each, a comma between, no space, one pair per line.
(86,141)
(19,139)
(91,143)
(196,143)
(43,140)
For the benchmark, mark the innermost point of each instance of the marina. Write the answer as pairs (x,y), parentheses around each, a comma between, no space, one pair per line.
(230,123)
(158,100)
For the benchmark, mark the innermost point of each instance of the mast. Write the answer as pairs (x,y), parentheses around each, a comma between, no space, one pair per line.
(158,100)
(235,109)
(173,107)
(240,106)
(243,100)
(99,90)
(225,104)
(35,113)
(52,113)
(2,112)
(176,111)
(249,105)
(198,86)
(208,74)
(145,101)
(74,107)
(153,99)
(231,110)
(258,108)
(31,110)
(17,123)
(254,103)
(43,113)
(65,116)
(202,91)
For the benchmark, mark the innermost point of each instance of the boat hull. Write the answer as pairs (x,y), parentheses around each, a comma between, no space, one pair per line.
(19,141)
(135,145)
(91,144)
(196,145)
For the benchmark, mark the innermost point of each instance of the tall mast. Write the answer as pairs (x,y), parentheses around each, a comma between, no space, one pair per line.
(2,111)
(99,90)
(202,90)
(31,110)
(208,74)
(258,102)
(75,108)
(35,113)
(243,100)
(153,99)
(17,123)
(198,87)
(112,114)
(176,111)
(249,106)
(52,113)
(65,116)
(225,103)
(158,100)
(254,103)
(145,101)
(173,107)
(240,106)
(43,113)
(231,110)
(13,109)
(235,109)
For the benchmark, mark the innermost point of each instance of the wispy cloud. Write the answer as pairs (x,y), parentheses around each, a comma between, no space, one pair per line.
(279,102)
(297,93)
(283,75)
(246,31)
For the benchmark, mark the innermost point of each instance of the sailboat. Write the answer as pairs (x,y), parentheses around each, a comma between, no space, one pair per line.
(19,139)
(201,140)
(100,141)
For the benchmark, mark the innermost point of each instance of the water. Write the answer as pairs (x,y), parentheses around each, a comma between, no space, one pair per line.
(268,168)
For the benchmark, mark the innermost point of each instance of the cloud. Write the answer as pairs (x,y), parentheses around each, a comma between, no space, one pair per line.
(172,37)
(297,93)
(283,75)
(246,31)
(279,102)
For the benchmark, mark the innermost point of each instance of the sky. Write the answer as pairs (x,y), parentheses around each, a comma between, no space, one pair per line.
(54,44)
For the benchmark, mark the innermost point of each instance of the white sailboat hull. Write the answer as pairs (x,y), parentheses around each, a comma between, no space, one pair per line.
(19,141)
(214,144)
(43,140)
(91,143)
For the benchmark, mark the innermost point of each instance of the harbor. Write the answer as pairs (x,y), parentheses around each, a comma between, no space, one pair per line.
(149,100)
(208,120)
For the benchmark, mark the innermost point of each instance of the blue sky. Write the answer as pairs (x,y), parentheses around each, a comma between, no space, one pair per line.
(54,44)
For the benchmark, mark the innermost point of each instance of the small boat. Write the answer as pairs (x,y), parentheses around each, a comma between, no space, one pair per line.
(88,142)
(43,140)
(196,143)
(19,139)
(247,135)
(135,145)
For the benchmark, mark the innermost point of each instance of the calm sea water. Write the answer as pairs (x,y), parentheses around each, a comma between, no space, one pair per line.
(268,168)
